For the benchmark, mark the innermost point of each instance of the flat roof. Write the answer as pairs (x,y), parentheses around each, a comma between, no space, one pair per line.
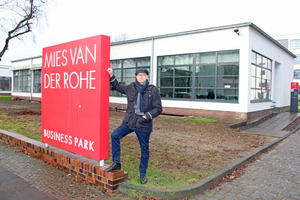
(5,66)
(193,32)
(26,58)
(207,30)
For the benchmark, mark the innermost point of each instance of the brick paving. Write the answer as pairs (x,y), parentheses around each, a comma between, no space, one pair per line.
(54,183)
(274,175)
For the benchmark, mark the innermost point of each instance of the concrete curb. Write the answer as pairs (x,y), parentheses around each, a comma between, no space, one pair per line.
(204,184)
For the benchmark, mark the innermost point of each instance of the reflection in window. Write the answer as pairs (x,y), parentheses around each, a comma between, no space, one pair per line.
(206,58)
(166,60)
(5,83)
(37,80)
(199,76)
(205,94)
(124,71)
(205,70)
(22,81)
(228,56)
(227,94)
(261,71)
(184,59)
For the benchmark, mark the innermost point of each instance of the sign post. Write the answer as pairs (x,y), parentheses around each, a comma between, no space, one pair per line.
(75,96)
(294,97)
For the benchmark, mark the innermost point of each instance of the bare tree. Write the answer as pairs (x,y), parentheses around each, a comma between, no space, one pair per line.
(122,36)
(18,18)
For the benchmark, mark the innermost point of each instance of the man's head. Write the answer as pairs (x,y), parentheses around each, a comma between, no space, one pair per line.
(141,75)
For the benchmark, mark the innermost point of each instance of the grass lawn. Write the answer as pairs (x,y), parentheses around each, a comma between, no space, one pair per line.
(5,98)
(183,150)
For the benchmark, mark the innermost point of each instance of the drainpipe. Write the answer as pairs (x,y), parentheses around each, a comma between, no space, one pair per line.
(31,85)
(152,60)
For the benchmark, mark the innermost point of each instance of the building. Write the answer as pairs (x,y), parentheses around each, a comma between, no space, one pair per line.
(236,72)
(292,43)
(5,80)
(27,78)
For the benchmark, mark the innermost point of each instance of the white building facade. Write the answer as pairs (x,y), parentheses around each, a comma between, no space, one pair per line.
(235,72)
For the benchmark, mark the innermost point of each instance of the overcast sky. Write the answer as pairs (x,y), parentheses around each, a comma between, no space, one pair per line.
(72,19)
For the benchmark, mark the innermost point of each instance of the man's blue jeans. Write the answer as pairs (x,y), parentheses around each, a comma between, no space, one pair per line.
(143,137)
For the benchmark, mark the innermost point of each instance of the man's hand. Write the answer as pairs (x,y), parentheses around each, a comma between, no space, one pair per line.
(110,71)
(144,116)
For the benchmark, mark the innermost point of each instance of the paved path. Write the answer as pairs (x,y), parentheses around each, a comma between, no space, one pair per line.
(13,187)
(275,175)
(274,126)
(26,178)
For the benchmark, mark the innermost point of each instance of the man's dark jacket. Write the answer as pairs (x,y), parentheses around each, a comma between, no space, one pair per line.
(152,105)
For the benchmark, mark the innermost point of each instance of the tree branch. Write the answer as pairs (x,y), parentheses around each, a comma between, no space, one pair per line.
(30,12)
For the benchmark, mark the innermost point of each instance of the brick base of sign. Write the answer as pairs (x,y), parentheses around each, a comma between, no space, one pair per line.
(80,166)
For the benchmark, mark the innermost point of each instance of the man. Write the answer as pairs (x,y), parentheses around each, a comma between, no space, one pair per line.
(143,105)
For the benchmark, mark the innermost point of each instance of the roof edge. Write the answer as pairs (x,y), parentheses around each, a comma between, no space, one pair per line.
(183,33)
(207,30)
(26,58)
(272,39)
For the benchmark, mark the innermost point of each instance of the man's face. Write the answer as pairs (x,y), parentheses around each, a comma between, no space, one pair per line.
(141,78)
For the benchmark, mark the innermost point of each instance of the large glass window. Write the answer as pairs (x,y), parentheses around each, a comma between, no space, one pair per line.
(5,83)
(22,80)
(210,76)
(37,81)
(261,71)
(295,44)
(124,70)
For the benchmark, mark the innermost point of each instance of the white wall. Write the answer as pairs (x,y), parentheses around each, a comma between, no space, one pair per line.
(282,74)
(27,63)
(131,50)
(194,43)
(294,51)
(4,71)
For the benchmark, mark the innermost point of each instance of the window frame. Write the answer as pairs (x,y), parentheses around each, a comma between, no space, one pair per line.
(258,80)
(131,76)
(5,83)
(210,61)
(22,81)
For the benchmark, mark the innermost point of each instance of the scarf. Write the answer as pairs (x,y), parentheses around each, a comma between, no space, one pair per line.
(139,105)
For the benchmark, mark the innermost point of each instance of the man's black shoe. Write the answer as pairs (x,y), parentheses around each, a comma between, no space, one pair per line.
(113,167)
(143,179)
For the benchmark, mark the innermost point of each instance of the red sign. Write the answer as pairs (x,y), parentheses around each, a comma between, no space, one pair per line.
(294,85)
(75,96)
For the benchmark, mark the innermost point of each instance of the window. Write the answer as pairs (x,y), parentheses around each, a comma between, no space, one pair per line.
(295,44)
(5,84)
(209,76)
(37,81)
(297,74)
(22,80)
(124,70)
(261,71)
(297,60)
